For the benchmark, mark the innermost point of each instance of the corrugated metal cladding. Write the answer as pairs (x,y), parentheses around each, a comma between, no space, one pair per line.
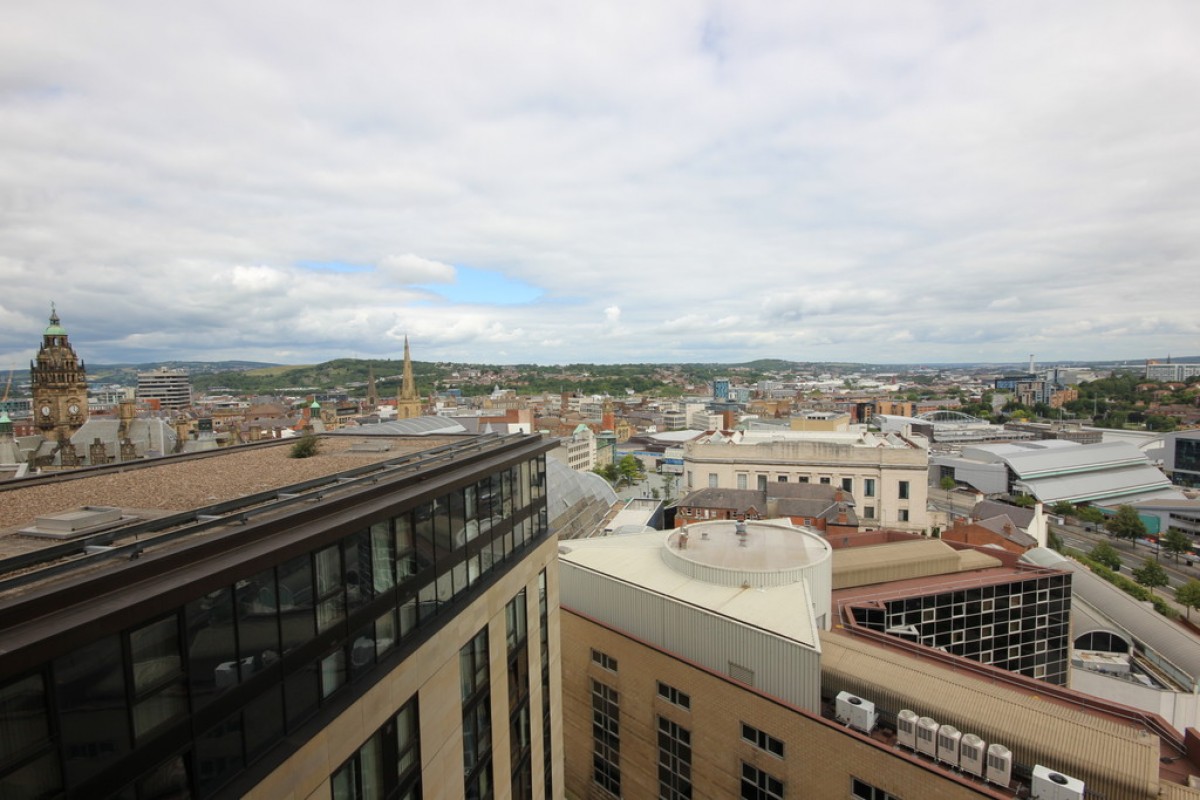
(899,561)
(783,668)
(1175,791)
(1115,760)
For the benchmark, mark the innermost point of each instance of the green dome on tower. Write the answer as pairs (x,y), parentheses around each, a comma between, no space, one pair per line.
(54,329)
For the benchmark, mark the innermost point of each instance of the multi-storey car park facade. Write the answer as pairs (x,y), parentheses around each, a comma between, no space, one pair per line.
(379,620)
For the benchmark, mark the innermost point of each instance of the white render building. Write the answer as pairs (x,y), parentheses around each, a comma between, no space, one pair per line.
(886,474)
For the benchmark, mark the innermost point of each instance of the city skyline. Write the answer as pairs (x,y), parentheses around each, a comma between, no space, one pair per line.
(625,184)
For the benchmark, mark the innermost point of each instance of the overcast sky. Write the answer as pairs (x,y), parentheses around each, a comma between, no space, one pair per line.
(606,182)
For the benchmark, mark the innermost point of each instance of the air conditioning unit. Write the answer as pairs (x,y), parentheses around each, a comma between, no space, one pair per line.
(972,755)
(1050,785)
(999,765)
(906,729)
(948,739)
(927,736)
(855,712)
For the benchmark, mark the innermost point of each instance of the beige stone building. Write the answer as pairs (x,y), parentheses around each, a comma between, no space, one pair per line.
(717,666)
(886,473)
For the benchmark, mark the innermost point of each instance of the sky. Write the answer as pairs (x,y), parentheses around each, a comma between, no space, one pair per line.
(542,182)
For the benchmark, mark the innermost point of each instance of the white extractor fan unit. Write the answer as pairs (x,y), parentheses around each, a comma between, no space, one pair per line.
(855,712)
(948,739)
(999,765)
(906,729)
(972,755)
(927,736)
(1050,785)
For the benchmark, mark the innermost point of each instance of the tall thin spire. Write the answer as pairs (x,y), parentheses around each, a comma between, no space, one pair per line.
(408,391)
(408,402)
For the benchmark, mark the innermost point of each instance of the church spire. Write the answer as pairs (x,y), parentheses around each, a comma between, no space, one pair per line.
(408,402)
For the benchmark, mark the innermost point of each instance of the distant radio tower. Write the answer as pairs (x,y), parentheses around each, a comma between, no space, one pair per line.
(1031,363)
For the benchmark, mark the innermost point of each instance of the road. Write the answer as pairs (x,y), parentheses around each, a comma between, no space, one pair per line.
(1084,540)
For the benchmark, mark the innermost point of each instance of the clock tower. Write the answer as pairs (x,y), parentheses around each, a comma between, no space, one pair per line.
(59,383)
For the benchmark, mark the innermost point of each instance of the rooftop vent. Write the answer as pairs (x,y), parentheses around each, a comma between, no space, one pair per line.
(76,522)
(370,447)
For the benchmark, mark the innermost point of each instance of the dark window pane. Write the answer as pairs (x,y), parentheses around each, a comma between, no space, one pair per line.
(359,582)
(169,781)
(300,695)
(362,651)
(258,622)
(23,721)
(264,721)
(219,754)
(92,707)
(39,778)
(296,602)
(212,655)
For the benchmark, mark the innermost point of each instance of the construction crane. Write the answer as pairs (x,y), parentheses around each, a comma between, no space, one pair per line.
(8,386)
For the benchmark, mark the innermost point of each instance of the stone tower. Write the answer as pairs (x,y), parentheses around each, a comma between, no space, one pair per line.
(372,392)
(59,381)
(408,402)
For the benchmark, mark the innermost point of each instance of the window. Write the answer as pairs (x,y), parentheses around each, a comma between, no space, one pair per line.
(758,785)
(903,515)
(604,660)
(606,738)
(387,765)
(782,479)
(712,480)
(848,485)
(861,790)
(27,758)
(762,740)
(868,487)
(742,480)
(673,695)
(674,761)
(157,675)
(826,480)
(520,747)
(762,483)
(477,723)
(868,512)
(544,619)
(903,490)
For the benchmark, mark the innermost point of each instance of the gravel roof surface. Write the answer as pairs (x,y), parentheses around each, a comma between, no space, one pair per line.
(172,486)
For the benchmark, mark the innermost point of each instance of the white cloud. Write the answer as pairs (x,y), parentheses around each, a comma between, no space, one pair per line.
(699,182)
(408,268)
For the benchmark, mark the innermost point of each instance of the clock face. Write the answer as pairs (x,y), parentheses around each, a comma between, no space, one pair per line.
(73,408)
(45,411)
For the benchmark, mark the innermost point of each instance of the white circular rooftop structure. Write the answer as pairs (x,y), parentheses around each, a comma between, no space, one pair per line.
(766,554)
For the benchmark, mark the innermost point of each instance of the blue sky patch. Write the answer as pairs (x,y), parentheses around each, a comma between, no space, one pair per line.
(484,286)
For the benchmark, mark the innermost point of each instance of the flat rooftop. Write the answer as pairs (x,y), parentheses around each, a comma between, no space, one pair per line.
(159,502)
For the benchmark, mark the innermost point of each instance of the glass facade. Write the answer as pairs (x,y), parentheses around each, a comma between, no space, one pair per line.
(188,699)
(517,633)
(477,719)
(1023,626)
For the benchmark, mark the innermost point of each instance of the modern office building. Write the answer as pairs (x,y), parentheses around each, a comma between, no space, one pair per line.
(378,620)
(979,603)
(168,388)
